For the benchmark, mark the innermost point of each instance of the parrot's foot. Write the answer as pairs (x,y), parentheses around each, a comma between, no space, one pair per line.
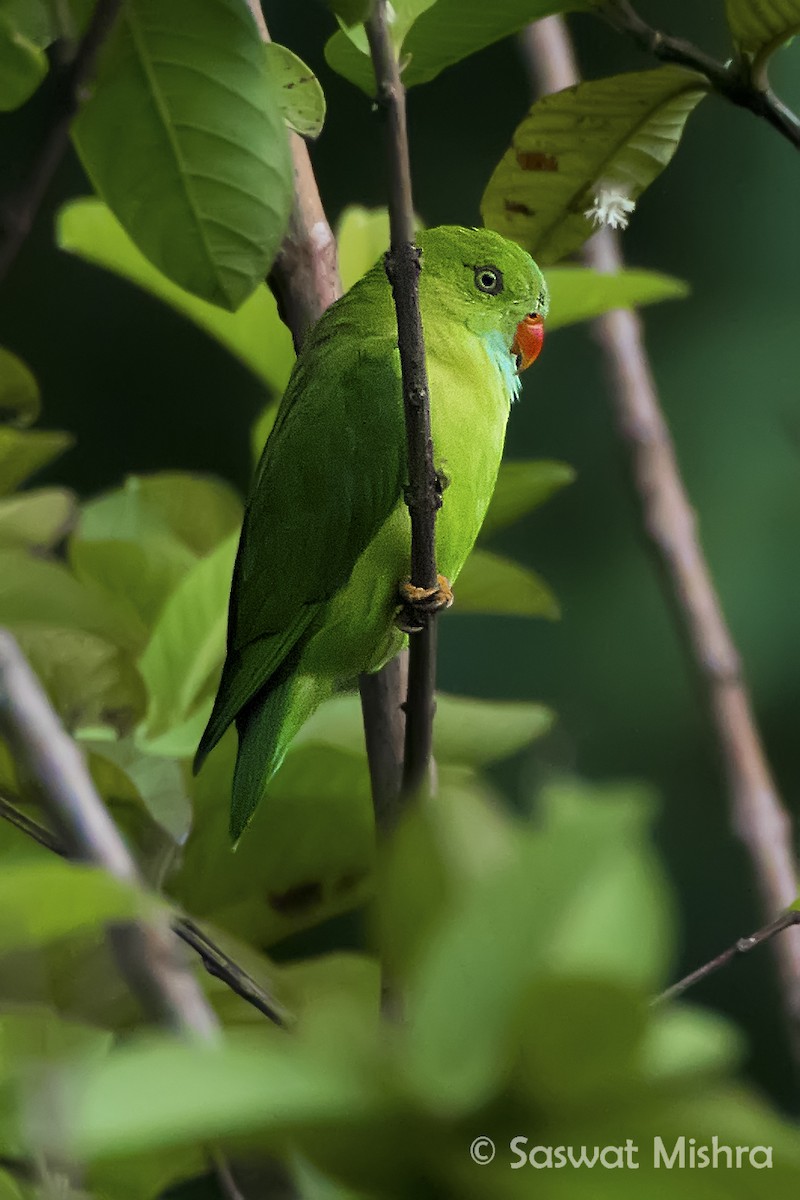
(417,603)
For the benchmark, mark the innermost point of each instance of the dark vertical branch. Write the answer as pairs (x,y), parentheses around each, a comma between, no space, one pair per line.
(18,211)
(422,495)
(758,814)
(147,952)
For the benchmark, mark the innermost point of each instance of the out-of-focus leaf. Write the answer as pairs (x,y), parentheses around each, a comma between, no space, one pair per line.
(762,26)
(466,731)
(199,509)
(205,184)
(579,294)
(522,487)
(578,147)
(41,900)
(300,95)
(23,65)
(442,33)
(159,782)
(489,583)
(261,429)
(138,576)
(35,591)
(89,680)
(362,236)
(267,1083)
(254,334)
(187,646)
(351,12)
(20,401)
(39,519)
(23,452)
(35,19)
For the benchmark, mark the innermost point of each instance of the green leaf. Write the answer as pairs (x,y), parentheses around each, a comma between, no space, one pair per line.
(300,95)
(442,33)
(494,585)
(35,19)
(23,452)
(254,334)
(23,65)
(205,184)
(19,392)
(579,294)
(521,487)
(42,900)
(576,147)
(187,647)
(36,591)
(39,519)
(159,783)
(362,238)
(478,732)
(762,26)
(350,12)
(89,680)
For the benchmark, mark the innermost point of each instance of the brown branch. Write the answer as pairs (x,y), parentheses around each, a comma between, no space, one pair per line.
(146,951)
(758,815)
(18,211)
(742,946)
(215,960)
(305,281)
(423,492)
(733,80)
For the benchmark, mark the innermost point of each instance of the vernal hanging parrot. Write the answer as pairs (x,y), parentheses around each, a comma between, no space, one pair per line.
(326,535)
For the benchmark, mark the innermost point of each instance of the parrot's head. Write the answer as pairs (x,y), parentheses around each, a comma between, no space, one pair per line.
(490,283)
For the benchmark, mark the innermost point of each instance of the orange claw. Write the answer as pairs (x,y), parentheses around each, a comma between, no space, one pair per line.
(415,601)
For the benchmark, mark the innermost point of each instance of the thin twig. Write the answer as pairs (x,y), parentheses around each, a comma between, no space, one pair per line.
(423,493)
(215,960)
(759,817)
(305,281)
(743,946)
(146,951)
(733,80)
(18,211)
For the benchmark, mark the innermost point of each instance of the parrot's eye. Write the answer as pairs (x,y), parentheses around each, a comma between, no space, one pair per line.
(489,280)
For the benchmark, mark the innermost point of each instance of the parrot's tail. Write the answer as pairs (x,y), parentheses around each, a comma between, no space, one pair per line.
(266,728)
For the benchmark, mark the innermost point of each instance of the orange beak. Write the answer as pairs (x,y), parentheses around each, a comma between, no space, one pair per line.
(528,340)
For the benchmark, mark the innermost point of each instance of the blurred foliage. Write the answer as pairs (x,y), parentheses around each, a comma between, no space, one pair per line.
(526,948)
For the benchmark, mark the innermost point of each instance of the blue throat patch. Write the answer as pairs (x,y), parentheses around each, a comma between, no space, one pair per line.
(504,361)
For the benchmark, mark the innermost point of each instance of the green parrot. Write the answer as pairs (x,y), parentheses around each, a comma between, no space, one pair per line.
(325,542)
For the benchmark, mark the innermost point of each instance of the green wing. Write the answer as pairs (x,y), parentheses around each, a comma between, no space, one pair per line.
(330,474)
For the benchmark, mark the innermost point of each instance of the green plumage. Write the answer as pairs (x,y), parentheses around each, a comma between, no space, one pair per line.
(326,540)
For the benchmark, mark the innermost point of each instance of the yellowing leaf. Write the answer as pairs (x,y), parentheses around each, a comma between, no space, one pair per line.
(762,25)
(606,136)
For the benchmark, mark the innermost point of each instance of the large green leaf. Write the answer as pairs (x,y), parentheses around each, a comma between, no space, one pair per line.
(158,782)
(19,391)
(761,26)
(23,452)
(187,646)
(205,184)
(494,585)
(39,519)
(23,65)
(590,147)
(45,899)
(579,294)
(300,95)
(254,333)
(443,33)
(362,236)
(36,591)
(521,487)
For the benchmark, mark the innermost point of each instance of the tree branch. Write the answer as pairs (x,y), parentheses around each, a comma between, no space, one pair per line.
(18,211)
(742,946)
(145,950)
(215,960)
(733,80)
(759,817)
(423,493)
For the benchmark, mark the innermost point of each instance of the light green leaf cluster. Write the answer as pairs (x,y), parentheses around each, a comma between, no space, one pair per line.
(526,1015)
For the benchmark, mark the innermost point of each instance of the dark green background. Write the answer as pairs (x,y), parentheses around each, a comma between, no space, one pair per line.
(142,390)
